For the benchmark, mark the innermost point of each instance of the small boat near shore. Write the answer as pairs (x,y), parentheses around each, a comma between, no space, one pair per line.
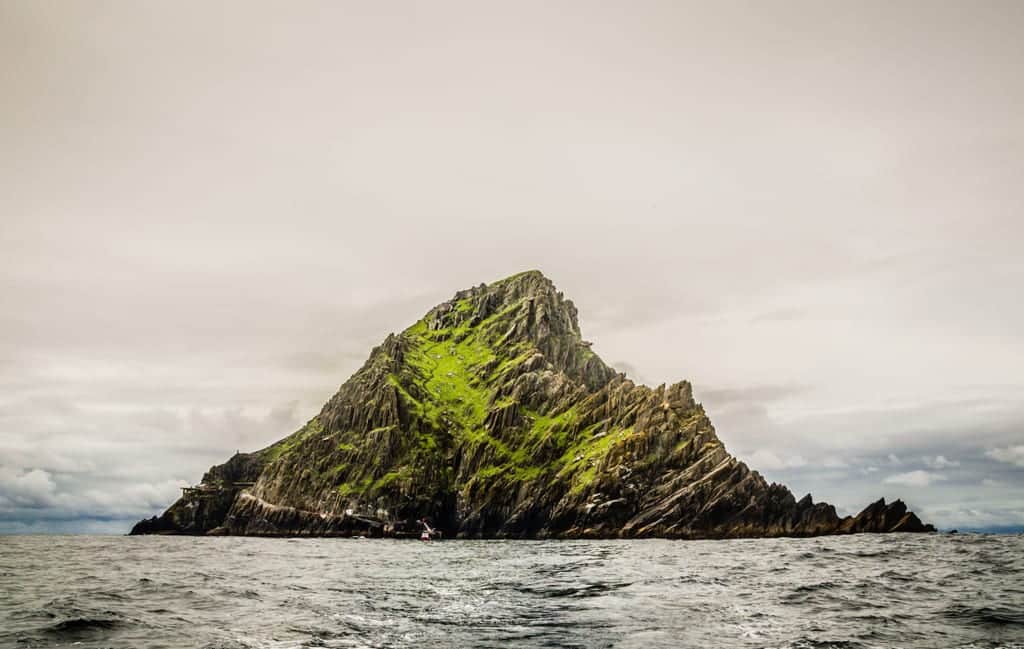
(429,533)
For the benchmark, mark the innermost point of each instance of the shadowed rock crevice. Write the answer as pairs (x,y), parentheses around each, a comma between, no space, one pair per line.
(492,417)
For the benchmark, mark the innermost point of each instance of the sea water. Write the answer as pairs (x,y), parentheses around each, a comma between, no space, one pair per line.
(897,590)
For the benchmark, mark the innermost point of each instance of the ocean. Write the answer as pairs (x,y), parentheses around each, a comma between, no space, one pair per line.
(149,592)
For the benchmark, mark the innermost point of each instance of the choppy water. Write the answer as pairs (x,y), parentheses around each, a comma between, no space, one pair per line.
(862,591)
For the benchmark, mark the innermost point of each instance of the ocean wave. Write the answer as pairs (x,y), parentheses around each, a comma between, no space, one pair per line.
(986,615)
(81,626)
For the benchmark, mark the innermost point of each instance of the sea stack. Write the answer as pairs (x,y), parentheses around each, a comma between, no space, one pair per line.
(491,417)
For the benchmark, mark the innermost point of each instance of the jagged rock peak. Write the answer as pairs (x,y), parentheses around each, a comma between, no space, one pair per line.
(525,308)
(530,293)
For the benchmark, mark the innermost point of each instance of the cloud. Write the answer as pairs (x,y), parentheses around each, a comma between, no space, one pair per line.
(1011,455)
(917,478)
(766,460)
(26,492)
(96,462)
(172,323)
(979,515)
(630,371)
(939,462)
(26,488)
(759,394)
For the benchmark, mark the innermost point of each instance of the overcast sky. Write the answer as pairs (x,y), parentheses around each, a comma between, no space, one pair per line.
(812,210)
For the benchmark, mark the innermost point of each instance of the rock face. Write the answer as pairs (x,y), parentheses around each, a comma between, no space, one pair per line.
(491,417)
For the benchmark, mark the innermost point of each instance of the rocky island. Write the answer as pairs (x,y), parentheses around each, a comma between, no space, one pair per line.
(491,417)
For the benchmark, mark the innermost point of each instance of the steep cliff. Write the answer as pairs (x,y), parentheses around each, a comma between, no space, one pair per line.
(492,417)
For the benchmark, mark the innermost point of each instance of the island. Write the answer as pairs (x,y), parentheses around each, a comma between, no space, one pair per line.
(491,417)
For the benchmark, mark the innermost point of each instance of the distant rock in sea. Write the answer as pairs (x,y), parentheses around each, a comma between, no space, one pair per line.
(492,417)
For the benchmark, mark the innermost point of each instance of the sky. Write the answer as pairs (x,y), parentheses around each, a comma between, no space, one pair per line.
(813,211)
